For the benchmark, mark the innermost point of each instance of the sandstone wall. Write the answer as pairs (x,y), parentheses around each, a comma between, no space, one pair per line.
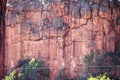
(2,36)
(60,32)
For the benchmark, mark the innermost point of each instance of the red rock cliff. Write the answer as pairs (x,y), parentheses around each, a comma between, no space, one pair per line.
(60,33)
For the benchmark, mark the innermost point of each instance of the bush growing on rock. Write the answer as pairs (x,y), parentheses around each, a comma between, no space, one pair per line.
(27,70)
(103,63)
(99,77)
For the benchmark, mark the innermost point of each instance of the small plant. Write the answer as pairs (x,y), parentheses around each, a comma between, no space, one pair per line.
(30,69)
(88,58)
(21,76)
(100,77)
(92,58)
(11,76)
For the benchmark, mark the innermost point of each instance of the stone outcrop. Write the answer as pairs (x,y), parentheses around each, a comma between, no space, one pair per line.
(60,33)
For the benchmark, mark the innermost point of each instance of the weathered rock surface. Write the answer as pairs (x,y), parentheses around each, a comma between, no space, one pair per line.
(60,33)
(2,36)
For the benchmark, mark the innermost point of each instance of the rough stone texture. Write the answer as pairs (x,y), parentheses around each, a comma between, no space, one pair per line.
(60,33)
(2,36)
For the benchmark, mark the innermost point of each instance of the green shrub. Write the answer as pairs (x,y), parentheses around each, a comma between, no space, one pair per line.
(88,59)
(100,77)
(100,63)
(27,70)
(11,76)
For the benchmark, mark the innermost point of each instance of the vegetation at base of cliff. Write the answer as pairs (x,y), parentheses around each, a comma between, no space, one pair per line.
(27,70)
(99,77)
(11,76)
(100,63)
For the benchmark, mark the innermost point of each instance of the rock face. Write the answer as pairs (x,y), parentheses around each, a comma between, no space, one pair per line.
(2,36)
(60,33)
